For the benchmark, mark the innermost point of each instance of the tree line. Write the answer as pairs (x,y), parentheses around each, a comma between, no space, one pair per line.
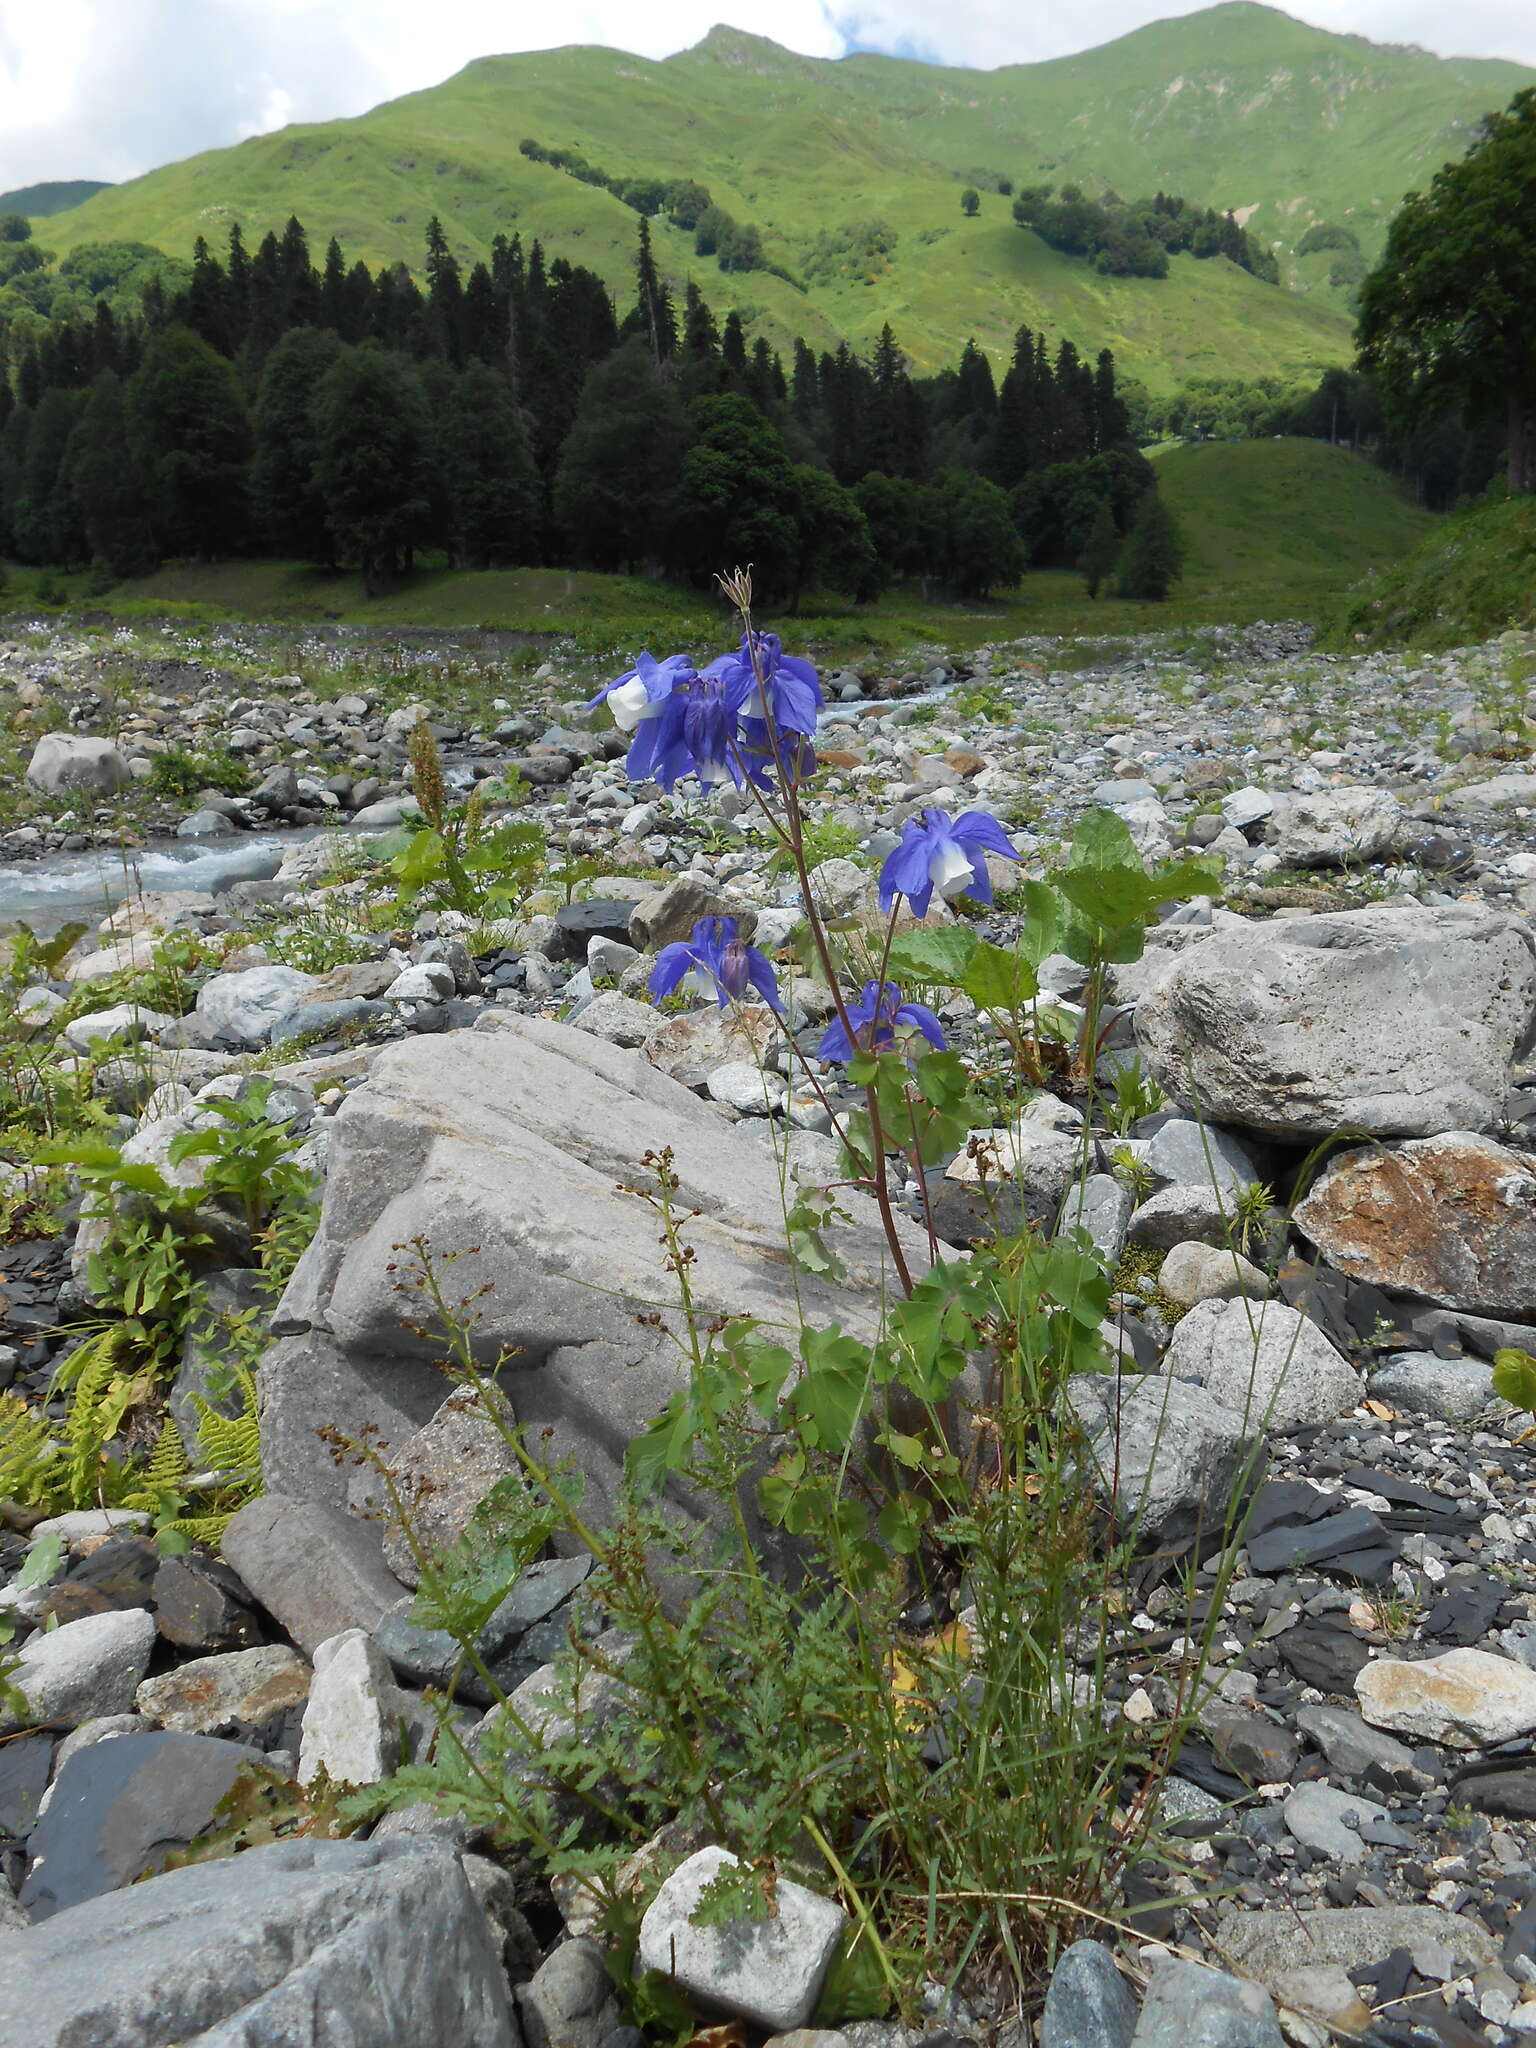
(1135,238)
(517,415)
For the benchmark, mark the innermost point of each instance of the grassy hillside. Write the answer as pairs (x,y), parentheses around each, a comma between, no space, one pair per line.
(1235,106)
(1296,519)
(1474,575)
(56,195)
(1238,105)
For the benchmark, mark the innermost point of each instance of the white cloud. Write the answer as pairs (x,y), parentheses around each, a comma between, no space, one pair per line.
(109,88)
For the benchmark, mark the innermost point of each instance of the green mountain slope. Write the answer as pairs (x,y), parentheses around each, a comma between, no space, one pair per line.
(1236,106)
(54,195)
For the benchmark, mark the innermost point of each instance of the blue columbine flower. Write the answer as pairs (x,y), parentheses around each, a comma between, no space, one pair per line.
(943,853)
(717,963)
(694,733)
(642,691)
(875,1018)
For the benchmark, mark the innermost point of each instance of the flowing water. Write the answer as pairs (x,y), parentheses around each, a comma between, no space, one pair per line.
(50,892)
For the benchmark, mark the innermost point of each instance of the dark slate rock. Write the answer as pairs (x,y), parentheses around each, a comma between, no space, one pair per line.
(1465,1611)
(1329,1658)
(25,1762)
(1088,2004)
(200,1604)
(1283,1548)
(602,917)
(119,1807)
(1285,1502)
(118,1574)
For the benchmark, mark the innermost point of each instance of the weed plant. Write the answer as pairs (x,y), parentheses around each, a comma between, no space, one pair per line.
(855,1616)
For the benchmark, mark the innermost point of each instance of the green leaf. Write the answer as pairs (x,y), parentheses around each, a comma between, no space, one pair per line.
(1514,1379)
(998,979)
(662,1447)
(1102,840)
(943,954)
(42,1562)
(831,1397)
(854,1987)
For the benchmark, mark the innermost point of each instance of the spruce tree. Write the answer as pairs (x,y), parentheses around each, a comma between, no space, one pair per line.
(492,485)
(736,497)
(445,296)
(105,481)
(289,508)
(1154,551)
(618,473)
(372,461)
(1102,549)
(45,524)
(187,418)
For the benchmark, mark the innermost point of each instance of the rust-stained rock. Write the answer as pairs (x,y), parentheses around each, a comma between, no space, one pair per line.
(1451,1218)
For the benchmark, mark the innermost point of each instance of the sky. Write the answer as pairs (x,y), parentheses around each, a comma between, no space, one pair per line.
(110,88)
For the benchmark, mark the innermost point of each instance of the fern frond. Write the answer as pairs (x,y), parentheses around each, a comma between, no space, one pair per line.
(231,1444)
(32,1460)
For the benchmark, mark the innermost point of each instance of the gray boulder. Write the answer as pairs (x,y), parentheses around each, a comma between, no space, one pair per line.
(308,1384)
(248,1003)
(1088,2004)
(305,1943)
(88,1667)
(1166,1456)
(1335,827)
(765,1969)
(1420,1383)
(1266,1944)
(1451,1218)
(1402,1023)
(1189,2006)
(1265,1361)
(316,1571)
(1195,1155)
(62,760)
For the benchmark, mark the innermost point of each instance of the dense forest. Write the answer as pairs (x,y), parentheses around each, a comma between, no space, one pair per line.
(517,415)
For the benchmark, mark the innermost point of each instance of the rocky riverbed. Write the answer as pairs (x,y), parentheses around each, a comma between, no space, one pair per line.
(1350,1845)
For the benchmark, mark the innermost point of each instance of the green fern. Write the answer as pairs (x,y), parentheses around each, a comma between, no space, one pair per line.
(231,1444)
(102,1396)
(32,1459)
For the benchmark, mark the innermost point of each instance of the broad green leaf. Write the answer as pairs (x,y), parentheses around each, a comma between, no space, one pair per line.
(1514,1379)
(1101,841)
(998,979)
(831,1397)
(942,955)
(42,1562)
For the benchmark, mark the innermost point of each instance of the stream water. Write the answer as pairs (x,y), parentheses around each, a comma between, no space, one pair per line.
(50,892)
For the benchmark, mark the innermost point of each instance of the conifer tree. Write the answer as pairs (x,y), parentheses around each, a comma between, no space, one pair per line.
(372,461)
(1153,553)
(491,485)
(289,508)
(1102,549)
(615,485)
(188,423)
(104,479)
